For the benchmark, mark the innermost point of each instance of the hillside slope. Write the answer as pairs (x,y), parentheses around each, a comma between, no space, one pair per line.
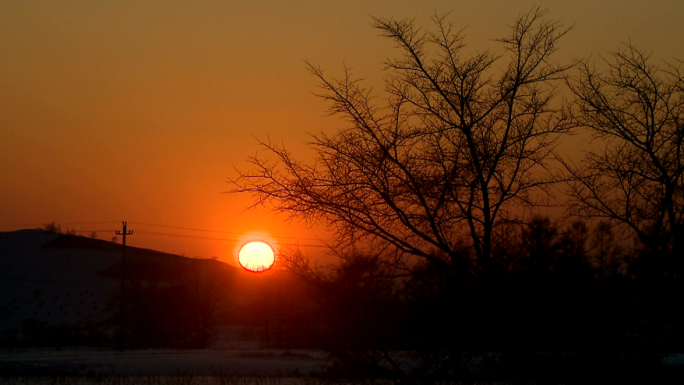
(50,281)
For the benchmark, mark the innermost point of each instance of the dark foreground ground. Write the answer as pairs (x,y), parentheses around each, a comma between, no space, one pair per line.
(266,366)
(159,362)
(165,380)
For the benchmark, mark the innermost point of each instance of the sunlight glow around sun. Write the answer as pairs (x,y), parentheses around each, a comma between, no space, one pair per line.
(256,256)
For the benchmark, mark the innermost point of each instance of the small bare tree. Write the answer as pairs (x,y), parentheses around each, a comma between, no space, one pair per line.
(636,110)
(460,140)
(52,227)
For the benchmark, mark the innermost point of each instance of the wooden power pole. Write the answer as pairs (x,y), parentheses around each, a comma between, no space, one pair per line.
(122,303)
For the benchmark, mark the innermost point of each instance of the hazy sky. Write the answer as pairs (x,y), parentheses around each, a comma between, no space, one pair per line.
(140,110)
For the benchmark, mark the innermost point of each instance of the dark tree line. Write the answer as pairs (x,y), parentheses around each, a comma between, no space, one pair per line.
(178,305)
(570,296)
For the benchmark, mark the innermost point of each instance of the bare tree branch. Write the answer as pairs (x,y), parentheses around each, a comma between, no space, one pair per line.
(636,109)
(457,144)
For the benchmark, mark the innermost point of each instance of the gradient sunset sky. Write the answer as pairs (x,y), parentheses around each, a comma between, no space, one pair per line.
(140,110)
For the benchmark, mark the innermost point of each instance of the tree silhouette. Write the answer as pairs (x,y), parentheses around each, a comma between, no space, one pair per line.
(458,148)
(203,288)
(636,179)
(52,227)
(605,251)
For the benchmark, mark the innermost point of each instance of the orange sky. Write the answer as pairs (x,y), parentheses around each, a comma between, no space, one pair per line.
(139,111)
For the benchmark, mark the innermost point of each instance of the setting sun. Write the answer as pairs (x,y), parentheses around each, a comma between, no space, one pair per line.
(256,256)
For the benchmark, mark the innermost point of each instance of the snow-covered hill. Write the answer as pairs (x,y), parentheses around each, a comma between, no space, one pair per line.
(56,285)
(66,281)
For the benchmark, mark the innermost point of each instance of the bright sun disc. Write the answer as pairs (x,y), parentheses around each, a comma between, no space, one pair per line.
(256,256)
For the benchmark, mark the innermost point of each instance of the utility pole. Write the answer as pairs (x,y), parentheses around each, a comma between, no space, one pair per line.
(122,304)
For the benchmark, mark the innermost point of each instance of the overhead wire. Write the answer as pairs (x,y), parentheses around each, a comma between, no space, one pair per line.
(32,225)
(216,231)
(219,239)
(143,232)
(90,223)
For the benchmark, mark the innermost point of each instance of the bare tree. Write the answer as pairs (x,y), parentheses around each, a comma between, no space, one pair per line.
(636,110)
(460,139)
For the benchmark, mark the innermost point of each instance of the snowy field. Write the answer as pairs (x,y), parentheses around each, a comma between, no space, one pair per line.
(241,363)
(176,367)
(168,380)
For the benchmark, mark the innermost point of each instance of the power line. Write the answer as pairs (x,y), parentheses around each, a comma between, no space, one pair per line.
(34,225)
(180,235)
(122,316)
(66,224)
(217,231)
(219,239)
(90,223)
(68,231)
